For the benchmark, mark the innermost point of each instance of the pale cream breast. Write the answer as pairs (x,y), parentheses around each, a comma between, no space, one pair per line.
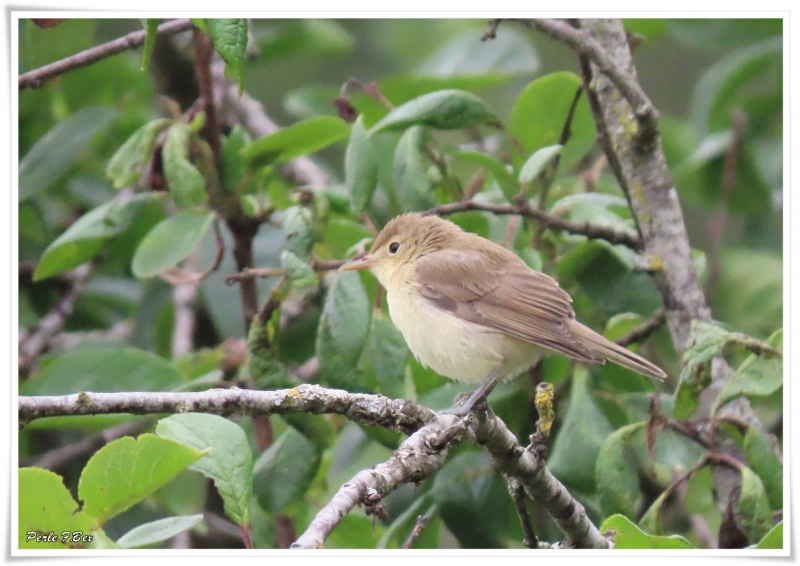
(454,347)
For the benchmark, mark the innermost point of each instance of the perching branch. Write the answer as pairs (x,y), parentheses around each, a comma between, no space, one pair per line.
(422,454)
(37,77)
(372,410)
(591,231)
(513,460)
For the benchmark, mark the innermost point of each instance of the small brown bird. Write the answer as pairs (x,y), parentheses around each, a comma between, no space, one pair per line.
(473,311)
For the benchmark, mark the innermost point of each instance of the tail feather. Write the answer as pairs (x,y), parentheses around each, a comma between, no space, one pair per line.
(606,349)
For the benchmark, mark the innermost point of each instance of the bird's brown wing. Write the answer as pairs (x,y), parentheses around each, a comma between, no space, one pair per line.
(496,289)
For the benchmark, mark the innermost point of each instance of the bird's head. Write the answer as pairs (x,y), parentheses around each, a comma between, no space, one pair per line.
(403,240)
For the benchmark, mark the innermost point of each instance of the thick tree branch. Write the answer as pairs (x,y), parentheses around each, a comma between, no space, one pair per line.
(373,410)
(591,231)
(37,77)
(422,454)
(513,460)
(646,180)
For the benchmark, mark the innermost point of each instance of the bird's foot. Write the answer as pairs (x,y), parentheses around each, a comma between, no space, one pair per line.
(466,403)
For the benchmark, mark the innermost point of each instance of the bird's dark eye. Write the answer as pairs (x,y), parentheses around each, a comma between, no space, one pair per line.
(393,247)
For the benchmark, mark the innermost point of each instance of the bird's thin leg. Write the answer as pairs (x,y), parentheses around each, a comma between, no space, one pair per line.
(494,377)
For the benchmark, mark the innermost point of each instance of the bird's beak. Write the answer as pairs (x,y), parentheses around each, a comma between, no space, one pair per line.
(358,263)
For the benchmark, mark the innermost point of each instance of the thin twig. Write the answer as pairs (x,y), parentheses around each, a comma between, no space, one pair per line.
(591,231)
(716,223)
(644,330)
(37,77)
(517,492)
(36,341)
(422,520)
(211,131)
(549,174)
(264,272)
(59,457)
(644,111)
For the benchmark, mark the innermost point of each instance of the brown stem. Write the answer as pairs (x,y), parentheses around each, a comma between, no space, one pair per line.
(37,340)
(584,229)
(517,492)
(37,77)
(716,224)
(422,520)
(211,131)
(644,330)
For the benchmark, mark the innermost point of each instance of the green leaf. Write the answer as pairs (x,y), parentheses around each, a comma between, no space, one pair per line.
(310,100)
(290,38)
(229,462)
(360,167)
(387,354)
(540,113)
(537,162)
(500,171)
(468,492)
(229,37)
(585,428)
(127,470)
(342,332)
(58,150)
(45,505)
(750,291)
(441,110)
(284,471)
(773,539)
(298,224)
(301,138)
(126,165)
(187,185)
(157,531)
(151,32)
(171,241)
(301,276)
(232,167)
(628,535)
(758,376)
(86,237)
(766,464)
(412,185)
(705,342)
(754,514)
(617,476)
(107,369)
(716,91)
(505,56)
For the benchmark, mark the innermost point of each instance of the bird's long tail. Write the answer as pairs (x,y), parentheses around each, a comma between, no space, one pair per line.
(604,348)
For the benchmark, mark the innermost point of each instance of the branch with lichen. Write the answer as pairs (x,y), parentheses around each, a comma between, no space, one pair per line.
(422,454)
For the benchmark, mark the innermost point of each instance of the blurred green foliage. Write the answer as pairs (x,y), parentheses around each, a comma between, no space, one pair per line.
(455,116)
